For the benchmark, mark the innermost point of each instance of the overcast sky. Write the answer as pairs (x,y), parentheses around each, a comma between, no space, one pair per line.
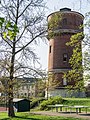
(56,5)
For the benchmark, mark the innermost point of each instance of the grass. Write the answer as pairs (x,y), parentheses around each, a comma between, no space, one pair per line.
(77,101)
(28,116)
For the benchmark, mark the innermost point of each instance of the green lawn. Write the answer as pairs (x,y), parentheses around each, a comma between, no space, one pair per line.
(28,116)
(77,101)
(70,102)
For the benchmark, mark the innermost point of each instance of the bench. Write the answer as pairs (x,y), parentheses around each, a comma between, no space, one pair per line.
(77,107)
(57,106)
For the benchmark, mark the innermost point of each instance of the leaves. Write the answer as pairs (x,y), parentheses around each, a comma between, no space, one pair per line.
(4,35)
(53,24)
(1,21)
(76,73)
(10,29)
(75,39)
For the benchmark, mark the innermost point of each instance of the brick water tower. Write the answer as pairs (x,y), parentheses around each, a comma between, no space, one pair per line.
(61,26)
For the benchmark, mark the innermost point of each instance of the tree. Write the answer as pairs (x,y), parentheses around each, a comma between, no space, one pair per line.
(86,46)
(79,57)
(76,73)
(52,83)
(1,88)
(16,53)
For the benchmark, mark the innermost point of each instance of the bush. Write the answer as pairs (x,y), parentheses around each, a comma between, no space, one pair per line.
(35,102)
(50,101)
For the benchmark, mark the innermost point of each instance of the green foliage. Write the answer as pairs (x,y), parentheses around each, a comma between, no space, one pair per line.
(76,101)
(75,39)
(52,34)
(35,102)
(76,73)
(9,30)
(42,94)
(50,101)
(54,24)
(65,101)
(1,21)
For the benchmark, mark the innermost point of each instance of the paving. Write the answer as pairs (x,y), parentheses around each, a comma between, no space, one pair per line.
(3,109)
(64,114)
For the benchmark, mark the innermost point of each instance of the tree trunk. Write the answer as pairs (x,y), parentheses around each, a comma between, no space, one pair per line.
(11,109)
(10,93)
(10,99)
(10,103)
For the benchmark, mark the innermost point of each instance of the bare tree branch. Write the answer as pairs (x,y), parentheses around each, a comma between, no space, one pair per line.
(25,8)
(30,42)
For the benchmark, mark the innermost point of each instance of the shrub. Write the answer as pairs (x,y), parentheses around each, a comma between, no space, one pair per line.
(35,102)
(50,101)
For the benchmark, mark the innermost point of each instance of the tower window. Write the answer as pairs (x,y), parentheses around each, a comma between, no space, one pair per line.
(50,49)
(65,56)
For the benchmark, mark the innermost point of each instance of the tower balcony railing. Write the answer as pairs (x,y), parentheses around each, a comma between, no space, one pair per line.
(66,31)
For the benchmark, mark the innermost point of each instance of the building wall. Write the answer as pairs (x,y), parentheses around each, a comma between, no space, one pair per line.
(59,52)
(65,93)
(58,49)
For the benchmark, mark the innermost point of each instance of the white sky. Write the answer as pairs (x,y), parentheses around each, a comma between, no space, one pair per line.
(56,5)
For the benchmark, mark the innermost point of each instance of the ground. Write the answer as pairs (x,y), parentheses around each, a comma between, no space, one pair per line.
(3,109)
(67,114)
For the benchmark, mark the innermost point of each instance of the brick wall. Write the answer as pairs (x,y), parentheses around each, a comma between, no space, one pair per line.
(69,25)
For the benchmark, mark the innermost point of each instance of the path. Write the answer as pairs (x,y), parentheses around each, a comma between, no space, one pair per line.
(64,114)
(3,109)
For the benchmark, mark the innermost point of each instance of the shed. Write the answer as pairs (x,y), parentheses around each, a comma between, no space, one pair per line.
(21,105)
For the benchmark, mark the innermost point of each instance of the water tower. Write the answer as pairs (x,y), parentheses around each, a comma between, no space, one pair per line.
(65,24)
